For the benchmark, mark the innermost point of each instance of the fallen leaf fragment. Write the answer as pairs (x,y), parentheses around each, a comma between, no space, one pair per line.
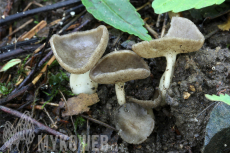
(10,64)
(80,104)
(225,26)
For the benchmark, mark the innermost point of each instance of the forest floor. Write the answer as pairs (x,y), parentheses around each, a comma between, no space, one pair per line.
(179,126)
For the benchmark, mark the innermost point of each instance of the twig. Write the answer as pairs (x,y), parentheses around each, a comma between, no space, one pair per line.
(8,8)
(19,44)
(53,124)
(117,39)
(39,107)
(37,10)
(139,8)
(87,133)
(43,70)
(45,58)
(51,104)
(39,48)
(211,33)
(82,25)
(71,22)
(75,130)
(15,94)
(40,126)
(35,3)
(22,26)
(158,20)
(206,109)
(10,31)
(73,9)
(27,79)
(98,122)
(164,25)
(153,32)
(34,30)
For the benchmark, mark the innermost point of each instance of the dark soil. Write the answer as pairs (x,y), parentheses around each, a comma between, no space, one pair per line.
(180,125)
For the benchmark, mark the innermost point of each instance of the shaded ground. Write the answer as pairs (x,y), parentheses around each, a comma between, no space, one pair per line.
(180,125)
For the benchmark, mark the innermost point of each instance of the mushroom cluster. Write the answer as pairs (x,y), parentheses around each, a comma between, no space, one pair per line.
(182,37)
(79,53)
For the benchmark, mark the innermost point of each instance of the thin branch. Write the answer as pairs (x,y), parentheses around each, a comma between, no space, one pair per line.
(153,32)
(40,126)
(17,52)
(164,25)
(15,94)
(22,26)
(27,79)
(98,122)
(47,8)
(74,9)
(158,20)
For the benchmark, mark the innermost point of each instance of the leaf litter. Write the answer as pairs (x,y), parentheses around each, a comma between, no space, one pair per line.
(80,104)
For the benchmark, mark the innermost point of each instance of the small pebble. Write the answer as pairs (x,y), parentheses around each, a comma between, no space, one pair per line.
(186,95)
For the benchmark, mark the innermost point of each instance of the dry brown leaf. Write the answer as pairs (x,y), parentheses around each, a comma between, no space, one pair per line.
(225,26)
(80,104)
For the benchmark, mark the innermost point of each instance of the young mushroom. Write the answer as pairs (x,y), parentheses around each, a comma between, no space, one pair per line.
(117,68)
(182,37)
(133,123)
(77,53)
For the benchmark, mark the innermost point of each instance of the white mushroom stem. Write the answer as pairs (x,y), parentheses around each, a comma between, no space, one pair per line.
(120,92)
(168,74)
(150,112)
(81,83)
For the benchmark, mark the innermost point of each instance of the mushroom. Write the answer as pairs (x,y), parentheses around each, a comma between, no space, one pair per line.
(183,37)
(117,68)
(77,53)
(133,123)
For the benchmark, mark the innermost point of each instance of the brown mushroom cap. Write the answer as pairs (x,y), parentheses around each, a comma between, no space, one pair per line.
(133,123)
(119,66)
(183,37)
(78,52)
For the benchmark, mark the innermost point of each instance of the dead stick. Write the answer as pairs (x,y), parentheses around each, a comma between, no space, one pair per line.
(164,25)
(158,20)
(14,17)
(45,59)
(153,32)
(28,106)
(15,94)
(43,70)
(27,79)
(82,25)
(16,52)
(98,122)
(22,26)
(18,91)
(40,126)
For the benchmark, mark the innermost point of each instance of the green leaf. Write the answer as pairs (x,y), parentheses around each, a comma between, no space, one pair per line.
(10,64)
(119,14)
(223,98)
(162,6)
